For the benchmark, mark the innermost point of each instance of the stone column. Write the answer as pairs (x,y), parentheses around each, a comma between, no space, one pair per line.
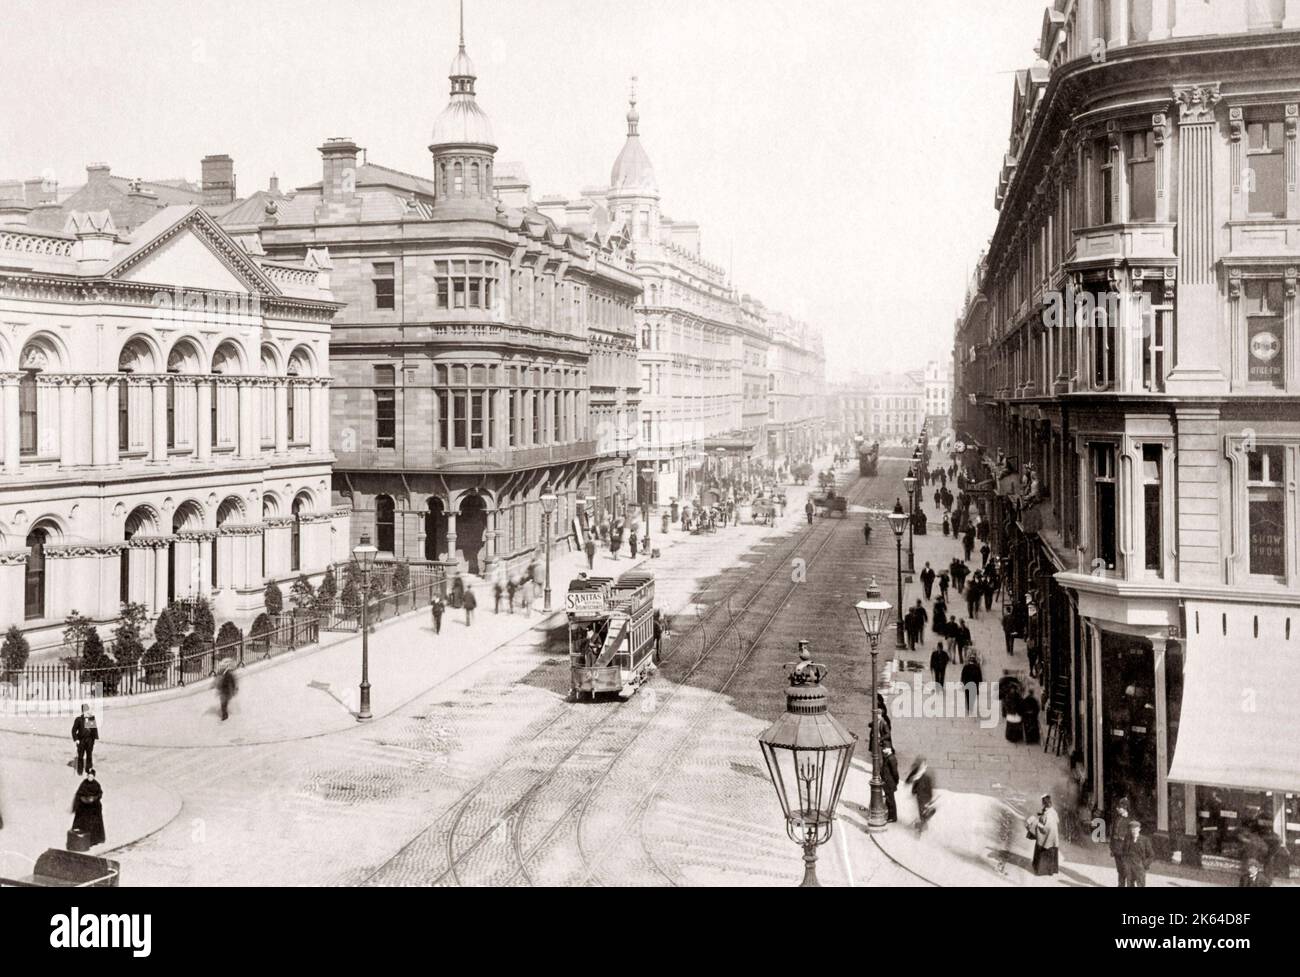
(451,536)
(206,391)
(159,425)
(247,435)
(67,422)
(116,390)
(97,392)
(13,569)
(281,416)
(1162,735)
(83,427)
(205,583)
(12,434)
(1200,346)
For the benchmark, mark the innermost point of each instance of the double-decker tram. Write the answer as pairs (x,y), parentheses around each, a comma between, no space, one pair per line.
(868,455)
(611,633)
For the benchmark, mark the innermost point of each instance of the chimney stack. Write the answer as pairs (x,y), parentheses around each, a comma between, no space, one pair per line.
(275,184)
(218,180)
(339,172)
(97,173)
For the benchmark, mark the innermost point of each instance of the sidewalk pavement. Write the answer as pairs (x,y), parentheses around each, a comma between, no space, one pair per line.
(970,758)
(314,691)
(39,815)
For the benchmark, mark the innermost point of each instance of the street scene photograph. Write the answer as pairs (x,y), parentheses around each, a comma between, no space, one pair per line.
(658,444)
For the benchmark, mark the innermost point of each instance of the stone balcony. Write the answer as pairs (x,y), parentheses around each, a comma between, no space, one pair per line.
(1147,243)
(463,460)
(1263,237)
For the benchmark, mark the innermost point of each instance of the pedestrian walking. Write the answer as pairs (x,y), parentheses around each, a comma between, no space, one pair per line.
(938,495)
(961,638)
(914,627)
(808,510)
(526,596)
(943,586)
(1029,710)
(498,591)
(889,775)
(922,782)
(1117,838)
(85,732)
(984,553)
(991,585)
(87,815)
(939,664)
(927,579)
(470,602)
(974,593)
(1137,855)
(866,531)
(1009,631)
(959,571)
(659,634)
(589,548)
(226,689)
(631,543)
(436,608)
(1045,829)
(922,618)
(457,591)
(972,676)
(512,587)
(946,525)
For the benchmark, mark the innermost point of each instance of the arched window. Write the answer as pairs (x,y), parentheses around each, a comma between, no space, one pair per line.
(295,537)
(384,523)
(473,179)
(28,419)
(457,179)
(34,581)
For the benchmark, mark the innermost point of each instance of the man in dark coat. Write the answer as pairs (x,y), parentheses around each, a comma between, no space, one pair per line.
(866,532)
(974,594)
(1137,855)
(939,663)
(889,774)
(940,623)
(961,637)
(589,548)
(991,584)
(808,510)
(971,678)
(85,731)
(943,586)
(909,627)
(927,579)
(922,782)
(226,689)
(436,608)
(470,602)
(1117,837)
(922,618)
(1009,630)
(984,553)
(959,571)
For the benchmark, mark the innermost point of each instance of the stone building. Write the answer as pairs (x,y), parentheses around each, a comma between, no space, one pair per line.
(1129,365)
(795,397)
(164,418)
(881,406)
(476,339)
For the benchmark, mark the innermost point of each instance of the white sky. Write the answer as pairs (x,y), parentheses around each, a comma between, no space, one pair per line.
(840,155)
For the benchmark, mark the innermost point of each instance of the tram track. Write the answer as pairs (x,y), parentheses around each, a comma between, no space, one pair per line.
(670,762)
(513,815)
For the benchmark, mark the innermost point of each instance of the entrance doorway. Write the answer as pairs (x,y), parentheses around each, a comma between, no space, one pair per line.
(471,524)
(435,529)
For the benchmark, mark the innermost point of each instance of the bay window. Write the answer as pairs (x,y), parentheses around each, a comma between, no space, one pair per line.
(1266,169)
(1266,512)
(1141,162)
(1105,508)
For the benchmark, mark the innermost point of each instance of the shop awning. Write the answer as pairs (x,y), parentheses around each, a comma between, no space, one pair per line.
(1239,726)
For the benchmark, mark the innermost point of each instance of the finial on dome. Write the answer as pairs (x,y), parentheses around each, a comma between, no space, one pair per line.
(633,116)
(462,25)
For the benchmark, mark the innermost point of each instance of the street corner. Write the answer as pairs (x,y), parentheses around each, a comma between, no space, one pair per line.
(36,799)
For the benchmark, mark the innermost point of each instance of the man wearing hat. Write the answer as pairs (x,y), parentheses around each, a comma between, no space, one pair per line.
(1253,877)
(1138,855)
(889,774)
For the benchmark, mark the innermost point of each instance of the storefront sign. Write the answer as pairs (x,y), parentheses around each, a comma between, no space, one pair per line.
(1267,537)
(1266,357)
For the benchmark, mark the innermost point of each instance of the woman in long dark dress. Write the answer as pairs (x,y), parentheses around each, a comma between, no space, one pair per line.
(88,811)
(1029,717)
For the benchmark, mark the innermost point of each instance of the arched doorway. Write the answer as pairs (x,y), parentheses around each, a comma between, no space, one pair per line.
(435,529)
(141,520)
(300,505)
(187,518)
(34,578)
(231,512)
(471,523)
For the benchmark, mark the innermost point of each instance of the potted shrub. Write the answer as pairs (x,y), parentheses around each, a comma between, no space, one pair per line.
(228,641)
(128,645)
(167,631)
(273,598)
(259,634)
(76,628)
(193,649)
(156,660)
(205,625)
(401,578)
(97,666)
(302,595)
(14,652)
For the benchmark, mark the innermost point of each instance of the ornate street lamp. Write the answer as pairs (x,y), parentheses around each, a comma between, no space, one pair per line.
(548,501)
(807,752)
(365,554)
(874,613)
(897,522)
(910,483)
(649,472)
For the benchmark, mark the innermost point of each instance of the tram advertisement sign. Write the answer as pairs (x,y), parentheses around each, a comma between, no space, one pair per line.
(585,602)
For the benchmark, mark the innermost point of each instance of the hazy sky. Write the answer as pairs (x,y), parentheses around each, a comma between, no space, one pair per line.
(840,155)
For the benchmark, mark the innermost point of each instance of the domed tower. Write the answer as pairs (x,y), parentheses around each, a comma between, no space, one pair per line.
(633,192)
(463,147)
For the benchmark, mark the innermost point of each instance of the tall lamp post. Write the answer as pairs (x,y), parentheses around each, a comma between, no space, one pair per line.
(897,522)
(364,553)
(648,471)
(910,483)
(807,752)
(873,612)
(548,501)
